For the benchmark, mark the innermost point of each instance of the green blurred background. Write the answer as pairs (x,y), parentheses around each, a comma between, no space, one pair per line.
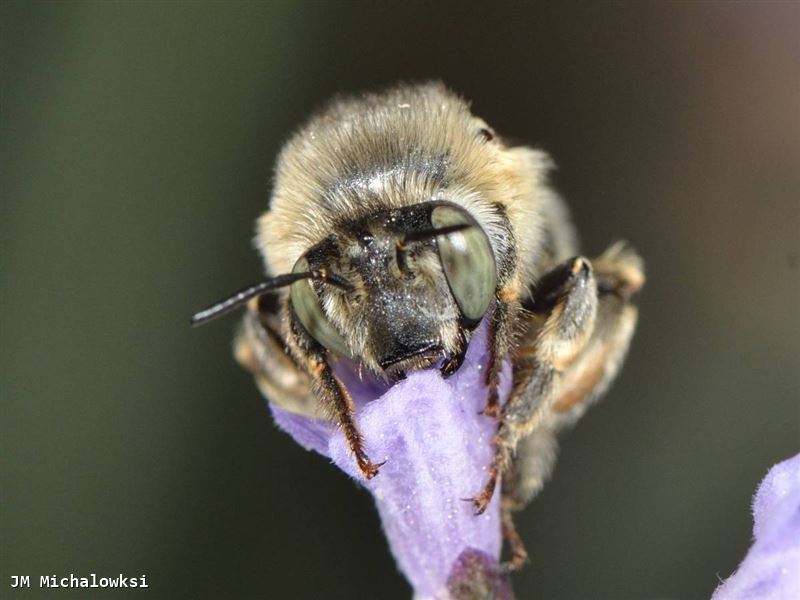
(137,146)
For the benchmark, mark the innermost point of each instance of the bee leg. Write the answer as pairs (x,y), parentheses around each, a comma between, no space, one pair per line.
(294,381)
(519,556)
(499,344)
(332,394)
(453,363)
(328,387)
(260,349)
(533,463)
(619,275)
(568,297)
(481,501)
(518,414)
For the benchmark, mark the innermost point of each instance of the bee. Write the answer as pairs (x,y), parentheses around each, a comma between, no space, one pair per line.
(398,222)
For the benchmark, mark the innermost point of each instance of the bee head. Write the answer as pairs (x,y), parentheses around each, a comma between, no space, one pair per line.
(415,283)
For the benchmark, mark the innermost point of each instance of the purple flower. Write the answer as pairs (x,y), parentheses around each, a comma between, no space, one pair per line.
(437,449)
(771,569)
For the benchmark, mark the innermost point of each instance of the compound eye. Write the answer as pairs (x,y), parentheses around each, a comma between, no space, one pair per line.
(309,310)
(468,262)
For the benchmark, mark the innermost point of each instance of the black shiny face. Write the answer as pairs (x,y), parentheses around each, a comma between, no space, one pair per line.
(414,295)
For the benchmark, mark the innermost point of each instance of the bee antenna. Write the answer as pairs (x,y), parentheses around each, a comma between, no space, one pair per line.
(425,234)
(232,302)
(420,235)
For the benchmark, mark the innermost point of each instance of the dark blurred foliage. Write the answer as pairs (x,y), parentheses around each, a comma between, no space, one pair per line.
(137,143)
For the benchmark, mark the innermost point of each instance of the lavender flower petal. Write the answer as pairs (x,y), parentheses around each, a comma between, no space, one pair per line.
(771,569)
(437,449)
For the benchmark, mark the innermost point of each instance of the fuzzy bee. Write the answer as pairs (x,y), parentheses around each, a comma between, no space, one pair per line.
(398,222)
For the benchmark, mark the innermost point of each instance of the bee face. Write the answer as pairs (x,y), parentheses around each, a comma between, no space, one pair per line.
(411,292)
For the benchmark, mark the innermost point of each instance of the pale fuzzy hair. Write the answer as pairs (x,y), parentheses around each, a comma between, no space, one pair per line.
(406,145)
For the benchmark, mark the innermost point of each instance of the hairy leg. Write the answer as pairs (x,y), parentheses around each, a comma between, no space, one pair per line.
(302,381)
(331,394)
(581,321)
(618,273)
(499,344)
(260,349)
